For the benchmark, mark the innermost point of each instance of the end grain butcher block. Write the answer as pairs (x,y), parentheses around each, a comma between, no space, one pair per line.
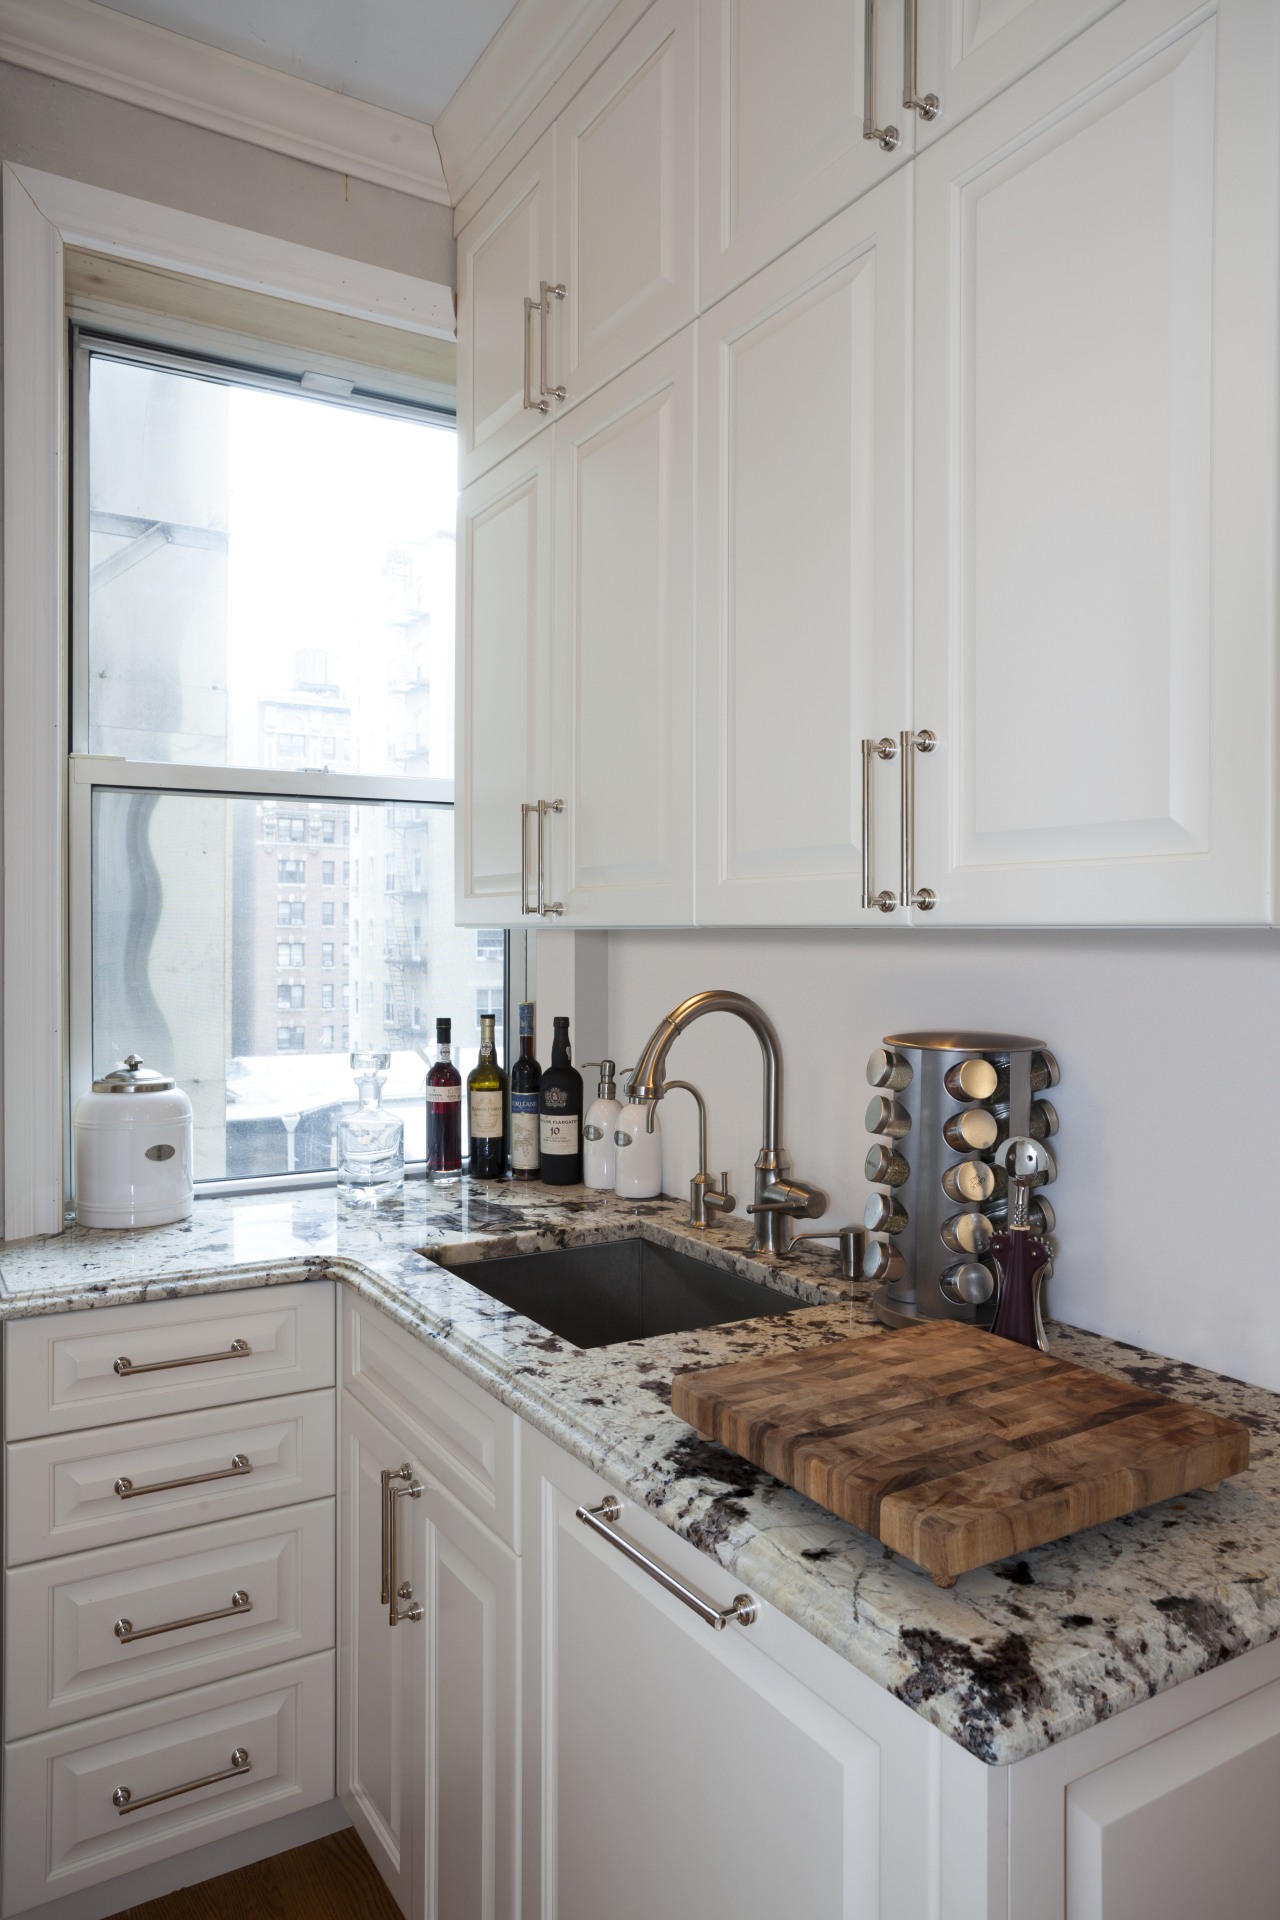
(954,1447)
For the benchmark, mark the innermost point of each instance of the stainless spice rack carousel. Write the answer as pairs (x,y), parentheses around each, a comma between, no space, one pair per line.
(945,1105)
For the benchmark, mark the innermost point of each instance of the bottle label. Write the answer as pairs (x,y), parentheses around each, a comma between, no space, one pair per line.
(444,1096)
(486,1113)
(524,1141)
(558,1133)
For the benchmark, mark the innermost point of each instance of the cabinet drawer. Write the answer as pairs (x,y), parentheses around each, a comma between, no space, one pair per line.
(62,1828)
(463,1436)
(62,1492)
(60,1369)
(64,1659)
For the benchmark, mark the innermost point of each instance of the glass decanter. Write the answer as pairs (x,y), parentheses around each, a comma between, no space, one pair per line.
(370,1141)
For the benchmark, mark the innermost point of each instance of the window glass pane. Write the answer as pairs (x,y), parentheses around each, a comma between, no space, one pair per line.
(191,970)
(271,579)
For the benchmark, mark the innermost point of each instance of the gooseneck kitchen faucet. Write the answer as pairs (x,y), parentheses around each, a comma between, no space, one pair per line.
(778,1199)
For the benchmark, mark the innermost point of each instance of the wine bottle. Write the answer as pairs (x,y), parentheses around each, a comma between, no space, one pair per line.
(444,1111)
(486,1109)
(526,1078)
(560,1113)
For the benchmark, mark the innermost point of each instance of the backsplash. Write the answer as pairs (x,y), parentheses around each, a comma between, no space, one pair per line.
(1170,1051)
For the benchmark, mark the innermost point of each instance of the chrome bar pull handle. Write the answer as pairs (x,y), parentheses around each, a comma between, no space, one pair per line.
(743,1608)
(394,1593)
(126,1632)
(239,1464)
(123,1801)
(545,906)
(887,136)
(546,294)
(530,404)
(126,1368)
(910,895)
(526,808)
(927,107)
(873,750)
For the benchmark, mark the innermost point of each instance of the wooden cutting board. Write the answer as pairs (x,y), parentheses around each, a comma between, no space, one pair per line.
(954,1447)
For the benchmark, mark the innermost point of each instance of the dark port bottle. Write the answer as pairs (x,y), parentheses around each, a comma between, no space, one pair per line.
(560,1113)
(444,1111)
(486,1108)
(526,1079)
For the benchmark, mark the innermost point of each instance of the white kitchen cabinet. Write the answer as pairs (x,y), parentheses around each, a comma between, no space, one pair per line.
(505,256)
(803,572)
(504,633)
(1095,297)
(625,204)
(967,51)
(782,99)
(622,682)
(428,1714)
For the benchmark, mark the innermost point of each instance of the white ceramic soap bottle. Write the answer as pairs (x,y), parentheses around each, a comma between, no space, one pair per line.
(599,1151)
(639,1144)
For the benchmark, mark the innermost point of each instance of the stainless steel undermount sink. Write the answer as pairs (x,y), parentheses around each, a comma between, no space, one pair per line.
(619,1290)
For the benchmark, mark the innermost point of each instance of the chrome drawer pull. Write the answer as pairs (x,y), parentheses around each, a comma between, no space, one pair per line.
(125,1631)
(926,105)
(530,404)
(126,1368)
(887,136)
(909,894)
(124,1801)
(743,1609)
(239,1464)
(393,1594)
(873,750)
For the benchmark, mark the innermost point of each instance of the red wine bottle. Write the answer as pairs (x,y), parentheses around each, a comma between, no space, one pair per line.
(526,1079)
(444,1111)
(560,1114)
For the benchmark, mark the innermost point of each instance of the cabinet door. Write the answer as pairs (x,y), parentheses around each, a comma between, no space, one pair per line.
(504,255)
(504,621)
(621,853)
(670,1769)
(381,1669)
(625,201)
(781,125)
(802,571)
(970,50)
(1095,486)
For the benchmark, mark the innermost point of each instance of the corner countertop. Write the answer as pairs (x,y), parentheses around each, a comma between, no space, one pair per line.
(1011,1660)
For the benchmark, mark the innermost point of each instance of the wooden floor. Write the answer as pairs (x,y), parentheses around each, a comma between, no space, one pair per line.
(332,1879)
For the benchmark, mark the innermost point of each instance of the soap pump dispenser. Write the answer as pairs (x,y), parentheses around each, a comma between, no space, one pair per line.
(639,1140)
(599,1151)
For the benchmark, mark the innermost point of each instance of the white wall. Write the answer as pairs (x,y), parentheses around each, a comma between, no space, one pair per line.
(1169,1153)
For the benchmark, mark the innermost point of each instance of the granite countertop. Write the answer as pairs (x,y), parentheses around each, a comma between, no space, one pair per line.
(1012,1659)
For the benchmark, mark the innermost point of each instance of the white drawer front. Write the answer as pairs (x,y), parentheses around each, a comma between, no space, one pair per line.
(268,1580)
(60,1369)
(62,1829)
(62,1493)
(466,1439)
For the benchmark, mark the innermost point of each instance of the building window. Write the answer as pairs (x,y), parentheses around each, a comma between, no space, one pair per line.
(291,913)
(389,874)
(346,913)
(291,994)
(490,943)
(291,746)
(326,873)
(346,873)
(389,1006)
(326,953)
(346,996)
(291,1039)
(326,994)
(291,953)
(327,829)
(291,873)
(329,752)
(346,1038)
(488,1000)
(326,913)
(326,1039)
(417,1014)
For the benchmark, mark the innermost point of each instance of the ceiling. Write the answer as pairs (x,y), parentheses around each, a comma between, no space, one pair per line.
(408,55)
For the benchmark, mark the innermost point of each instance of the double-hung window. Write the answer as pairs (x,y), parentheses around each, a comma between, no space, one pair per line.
(262,676)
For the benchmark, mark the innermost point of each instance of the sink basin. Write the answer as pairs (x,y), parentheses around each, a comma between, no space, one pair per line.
(622,1290)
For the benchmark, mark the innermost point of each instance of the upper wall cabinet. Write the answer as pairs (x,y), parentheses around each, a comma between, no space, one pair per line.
(625,170)
(965,52)
(787,97)
(506,258)
(1096,320)
(802,574)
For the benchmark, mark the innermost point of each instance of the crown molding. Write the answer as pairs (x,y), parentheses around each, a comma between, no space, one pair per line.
(536,43)
(148,66)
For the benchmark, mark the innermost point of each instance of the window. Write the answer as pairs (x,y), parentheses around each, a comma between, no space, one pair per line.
(488,1000)
(490,945)
(416,948)
(256,560)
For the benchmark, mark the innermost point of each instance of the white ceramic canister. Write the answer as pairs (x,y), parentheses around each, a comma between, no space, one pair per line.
(133,1150)
(639,1171)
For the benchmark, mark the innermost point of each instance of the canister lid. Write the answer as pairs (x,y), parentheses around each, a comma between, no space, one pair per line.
(132,1077)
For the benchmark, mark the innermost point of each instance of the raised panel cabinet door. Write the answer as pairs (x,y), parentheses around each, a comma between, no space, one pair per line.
(968,51)
(504,255)
(621,853)
(671,1769)
(803,464)
(382,1675)
(1095,481)
(504,626)
(782,106)
(471,1596)
(626,203)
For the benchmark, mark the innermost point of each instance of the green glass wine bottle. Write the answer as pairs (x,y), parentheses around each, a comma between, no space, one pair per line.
(486,1108)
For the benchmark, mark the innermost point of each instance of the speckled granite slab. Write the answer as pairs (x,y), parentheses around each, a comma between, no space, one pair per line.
(1010,1660)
